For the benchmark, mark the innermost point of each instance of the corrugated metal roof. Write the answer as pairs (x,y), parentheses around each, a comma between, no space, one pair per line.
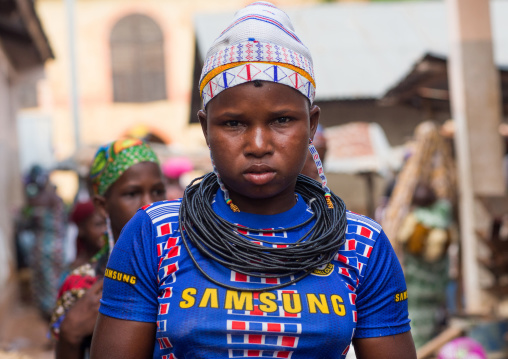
(360,50)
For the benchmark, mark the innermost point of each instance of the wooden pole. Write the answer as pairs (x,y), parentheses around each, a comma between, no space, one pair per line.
(476,109)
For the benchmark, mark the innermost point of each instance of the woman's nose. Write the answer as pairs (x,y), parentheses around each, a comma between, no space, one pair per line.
(259,142)
(147,199)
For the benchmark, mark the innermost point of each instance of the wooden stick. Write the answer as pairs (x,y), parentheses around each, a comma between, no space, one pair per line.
(435,344)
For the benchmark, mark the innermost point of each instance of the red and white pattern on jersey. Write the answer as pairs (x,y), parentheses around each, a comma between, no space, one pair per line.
(259,354)
(345,272)
(346,350)
(341,258)
(367,251)
(163,211)
(350,287)
(170,356)
(364,232)
(166,293)
(163,308)
(168,253)
(270,334)
(161,325)
(350,245)
(280,245)
(164,343)
(344,353)
(247,232)
(172,252)
(262,339)
(361,220)
(352,298)
(352,258)
(242,278)
(164,229)
(167,245)
(168,273)
(360,267)
(268,327)
(146,206)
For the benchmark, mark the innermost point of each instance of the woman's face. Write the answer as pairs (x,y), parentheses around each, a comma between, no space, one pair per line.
(92,230)
(141,184)
(259,138)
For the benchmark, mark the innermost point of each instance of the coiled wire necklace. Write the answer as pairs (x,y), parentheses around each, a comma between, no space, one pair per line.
(220,240)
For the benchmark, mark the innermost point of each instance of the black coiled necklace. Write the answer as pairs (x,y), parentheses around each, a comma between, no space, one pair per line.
(220,240)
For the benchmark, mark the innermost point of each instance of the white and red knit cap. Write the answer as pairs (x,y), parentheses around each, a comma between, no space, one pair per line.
(259,44)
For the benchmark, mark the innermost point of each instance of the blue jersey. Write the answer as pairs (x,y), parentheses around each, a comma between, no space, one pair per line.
(151,278)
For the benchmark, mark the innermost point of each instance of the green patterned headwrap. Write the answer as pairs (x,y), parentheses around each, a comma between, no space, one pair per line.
(113,159)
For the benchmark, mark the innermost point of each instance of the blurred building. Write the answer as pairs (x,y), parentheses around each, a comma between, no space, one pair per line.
(134,66)
(24,49)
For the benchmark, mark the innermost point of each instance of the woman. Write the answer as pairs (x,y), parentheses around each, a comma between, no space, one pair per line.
(42,233)
(173,170)
(91,227)
(125,175)
(266,267)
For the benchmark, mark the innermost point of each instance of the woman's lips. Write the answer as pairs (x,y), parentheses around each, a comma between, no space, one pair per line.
(259,174)
(259,178)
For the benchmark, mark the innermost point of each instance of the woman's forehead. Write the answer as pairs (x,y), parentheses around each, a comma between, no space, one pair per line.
(139,172)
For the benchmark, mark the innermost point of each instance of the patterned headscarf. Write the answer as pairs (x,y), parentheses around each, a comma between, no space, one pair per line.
(113,159)
(260,44)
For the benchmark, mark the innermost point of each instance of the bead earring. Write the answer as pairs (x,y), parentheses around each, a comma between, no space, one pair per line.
(321,172)
(228,200)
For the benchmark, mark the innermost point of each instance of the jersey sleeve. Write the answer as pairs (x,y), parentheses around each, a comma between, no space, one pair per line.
(382,295)
(130,281)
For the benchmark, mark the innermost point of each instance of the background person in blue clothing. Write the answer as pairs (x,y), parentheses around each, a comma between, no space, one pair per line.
(255,260)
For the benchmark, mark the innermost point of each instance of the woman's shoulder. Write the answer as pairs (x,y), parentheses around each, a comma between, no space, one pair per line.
(368,252)
(362,226)
(159,214)
(158,211)
(363,235)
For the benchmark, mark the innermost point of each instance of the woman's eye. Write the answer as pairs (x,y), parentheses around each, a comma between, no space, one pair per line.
(130,194)
(232,123)
(160,192)
(283,120)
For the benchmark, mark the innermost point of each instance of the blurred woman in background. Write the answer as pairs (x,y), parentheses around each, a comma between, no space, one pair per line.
(91,228)
(125,176)
(41,235)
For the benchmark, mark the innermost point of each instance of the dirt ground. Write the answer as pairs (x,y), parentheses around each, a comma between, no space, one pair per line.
(23,332)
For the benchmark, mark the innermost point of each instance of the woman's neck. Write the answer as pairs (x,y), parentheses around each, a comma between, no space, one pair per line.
(267,206)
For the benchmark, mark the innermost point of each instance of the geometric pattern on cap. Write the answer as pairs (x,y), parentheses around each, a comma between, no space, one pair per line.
(247,72)
(258,33)
(254,51)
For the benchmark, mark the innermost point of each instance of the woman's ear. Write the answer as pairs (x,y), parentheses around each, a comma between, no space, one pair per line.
(100,204)
(203,123)
(315,112)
